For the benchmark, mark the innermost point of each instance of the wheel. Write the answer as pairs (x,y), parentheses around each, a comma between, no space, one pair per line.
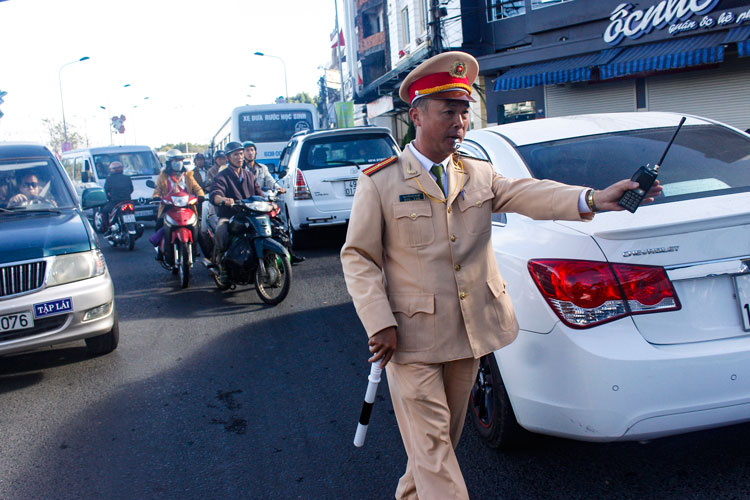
(274,286)
(296,237)
(98,220)
(175,258)
(221,286)
(105,343)
(491,410)
(131,241)
(184,267)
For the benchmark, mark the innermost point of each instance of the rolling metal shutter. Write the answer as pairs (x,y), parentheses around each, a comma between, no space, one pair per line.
(579,99)
(722,94)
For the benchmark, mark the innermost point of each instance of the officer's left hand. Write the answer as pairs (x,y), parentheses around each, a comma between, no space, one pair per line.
(606,199)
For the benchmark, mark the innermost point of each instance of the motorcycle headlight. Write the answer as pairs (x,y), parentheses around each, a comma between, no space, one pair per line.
(180,201)
(76,267)
(260,206)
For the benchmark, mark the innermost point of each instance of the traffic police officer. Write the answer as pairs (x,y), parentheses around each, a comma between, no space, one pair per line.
(420,268)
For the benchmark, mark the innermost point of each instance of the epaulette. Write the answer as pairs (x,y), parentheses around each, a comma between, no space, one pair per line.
(374,168)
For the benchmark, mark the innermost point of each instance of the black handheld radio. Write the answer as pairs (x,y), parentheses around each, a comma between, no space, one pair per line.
(645,177)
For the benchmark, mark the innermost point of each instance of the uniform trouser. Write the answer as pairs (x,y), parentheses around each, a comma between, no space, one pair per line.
(430,401)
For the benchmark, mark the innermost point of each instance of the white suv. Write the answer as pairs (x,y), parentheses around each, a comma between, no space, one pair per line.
(321,170)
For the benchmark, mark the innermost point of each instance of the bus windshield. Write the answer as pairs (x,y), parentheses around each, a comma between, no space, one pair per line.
(273,125)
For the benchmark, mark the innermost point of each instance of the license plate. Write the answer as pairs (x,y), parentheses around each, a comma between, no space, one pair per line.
(143,213)
(128,218)
(53,307)
(350,187)
(17,321)
(742,284)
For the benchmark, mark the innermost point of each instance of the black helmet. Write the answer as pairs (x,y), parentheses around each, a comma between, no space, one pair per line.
(247,144)
(219,153)
(198,155)
(232,147)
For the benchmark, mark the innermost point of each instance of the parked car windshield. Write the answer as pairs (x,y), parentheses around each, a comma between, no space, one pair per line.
(348,149)
(705,160)
(32,185)
(135,163)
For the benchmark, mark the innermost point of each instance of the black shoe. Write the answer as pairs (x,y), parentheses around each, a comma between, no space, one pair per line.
(296,259)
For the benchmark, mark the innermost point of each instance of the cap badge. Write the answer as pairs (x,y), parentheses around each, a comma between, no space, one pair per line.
(458,70)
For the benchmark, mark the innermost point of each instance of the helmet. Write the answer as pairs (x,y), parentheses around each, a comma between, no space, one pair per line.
(115,166)
(247,144)
(173,161)
(219,153)
(198,155)
(232,147)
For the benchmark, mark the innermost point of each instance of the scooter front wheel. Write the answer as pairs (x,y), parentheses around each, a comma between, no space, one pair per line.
(273,285)
(184,266)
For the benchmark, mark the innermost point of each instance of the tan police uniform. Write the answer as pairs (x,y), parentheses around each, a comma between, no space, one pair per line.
(422,261)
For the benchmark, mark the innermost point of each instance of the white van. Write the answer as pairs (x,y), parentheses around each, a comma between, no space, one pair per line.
(89,167)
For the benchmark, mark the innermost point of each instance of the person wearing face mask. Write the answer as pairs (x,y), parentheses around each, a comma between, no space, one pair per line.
(174,175)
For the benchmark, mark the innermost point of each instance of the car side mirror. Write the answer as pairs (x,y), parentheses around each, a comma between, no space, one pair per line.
(151,184)
(93,197)
(282,173)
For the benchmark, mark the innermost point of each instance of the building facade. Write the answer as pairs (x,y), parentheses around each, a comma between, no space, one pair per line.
(545,58)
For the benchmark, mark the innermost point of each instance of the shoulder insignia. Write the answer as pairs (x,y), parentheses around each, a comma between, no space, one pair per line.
(374,168)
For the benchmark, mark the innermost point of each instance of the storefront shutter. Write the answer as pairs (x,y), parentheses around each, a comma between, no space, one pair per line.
(722,94)
(579,99)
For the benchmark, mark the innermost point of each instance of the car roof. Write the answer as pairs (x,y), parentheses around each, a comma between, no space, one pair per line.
(566,127)
(343,131)
(109,149)
(23,150)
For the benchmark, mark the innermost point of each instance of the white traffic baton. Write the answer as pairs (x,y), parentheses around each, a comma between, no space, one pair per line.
(364,417)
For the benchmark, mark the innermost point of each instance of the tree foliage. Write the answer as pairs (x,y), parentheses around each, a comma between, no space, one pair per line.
(57,135)
(184,147)
(305,98)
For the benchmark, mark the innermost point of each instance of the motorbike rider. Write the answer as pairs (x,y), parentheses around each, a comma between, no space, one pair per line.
(230,186)
(266,182)
(220,162)
(199,161)
(174,173)
(118,187)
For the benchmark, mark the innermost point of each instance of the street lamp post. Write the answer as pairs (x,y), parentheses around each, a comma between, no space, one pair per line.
(286,88)
(59,81)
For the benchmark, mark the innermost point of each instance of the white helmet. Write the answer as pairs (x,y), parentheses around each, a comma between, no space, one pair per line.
(173,160)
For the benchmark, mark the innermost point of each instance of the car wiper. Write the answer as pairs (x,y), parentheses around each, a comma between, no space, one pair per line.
(33,211)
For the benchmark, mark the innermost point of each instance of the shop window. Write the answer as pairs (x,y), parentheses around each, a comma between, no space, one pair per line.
(516,112)
(540,4)
(371,24)
(503,9)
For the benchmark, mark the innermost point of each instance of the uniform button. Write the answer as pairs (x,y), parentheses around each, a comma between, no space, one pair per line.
(478,203)
(453,237)
(449,209)
(413,216)
(462,295)
(458,267)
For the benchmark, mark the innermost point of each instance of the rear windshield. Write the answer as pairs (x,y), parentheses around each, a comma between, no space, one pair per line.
(33,185)
(135,163)
(349,149)
(705,160)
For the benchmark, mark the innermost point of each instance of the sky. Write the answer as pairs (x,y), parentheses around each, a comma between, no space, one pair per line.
(193,60)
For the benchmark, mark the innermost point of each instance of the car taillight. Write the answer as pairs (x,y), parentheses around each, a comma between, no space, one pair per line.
(586,293)
(301,191)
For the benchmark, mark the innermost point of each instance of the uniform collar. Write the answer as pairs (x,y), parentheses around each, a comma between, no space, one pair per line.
(424,161)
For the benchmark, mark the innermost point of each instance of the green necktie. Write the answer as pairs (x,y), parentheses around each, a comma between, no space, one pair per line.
(437,171)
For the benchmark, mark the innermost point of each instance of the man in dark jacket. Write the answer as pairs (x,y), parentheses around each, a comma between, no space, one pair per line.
(118,187)
(230,186)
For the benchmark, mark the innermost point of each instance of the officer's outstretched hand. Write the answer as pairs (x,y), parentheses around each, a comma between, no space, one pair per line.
(606,199)
(383,345)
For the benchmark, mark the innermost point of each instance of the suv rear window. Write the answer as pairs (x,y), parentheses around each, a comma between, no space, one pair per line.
(705,160)
(346,149)
(135,163)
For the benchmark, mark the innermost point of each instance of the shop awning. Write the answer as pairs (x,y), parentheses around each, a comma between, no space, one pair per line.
(564,70)
(741,35)
(669,54)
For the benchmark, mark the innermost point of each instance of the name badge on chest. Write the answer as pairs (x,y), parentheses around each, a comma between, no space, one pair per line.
(411,197)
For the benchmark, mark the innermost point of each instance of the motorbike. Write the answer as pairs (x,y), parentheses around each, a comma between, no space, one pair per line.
(122,228)
(176,238)
(253,255)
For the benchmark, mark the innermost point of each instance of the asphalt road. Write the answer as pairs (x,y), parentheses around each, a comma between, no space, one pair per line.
(215,395)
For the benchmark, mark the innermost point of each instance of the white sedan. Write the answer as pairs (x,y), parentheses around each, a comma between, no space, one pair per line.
(632,326)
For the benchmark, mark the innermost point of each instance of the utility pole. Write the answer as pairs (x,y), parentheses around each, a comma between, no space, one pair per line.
(338,49)
(436,37)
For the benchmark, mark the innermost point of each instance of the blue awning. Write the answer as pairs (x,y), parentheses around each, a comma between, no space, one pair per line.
(670,54)
(741,35)
(565,70)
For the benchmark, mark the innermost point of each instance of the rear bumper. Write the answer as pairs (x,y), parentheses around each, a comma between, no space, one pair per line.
(609,384)
(85,294)
(306,216)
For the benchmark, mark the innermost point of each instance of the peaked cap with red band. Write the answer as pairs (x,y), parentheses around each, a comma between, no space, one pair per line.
(445,76)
